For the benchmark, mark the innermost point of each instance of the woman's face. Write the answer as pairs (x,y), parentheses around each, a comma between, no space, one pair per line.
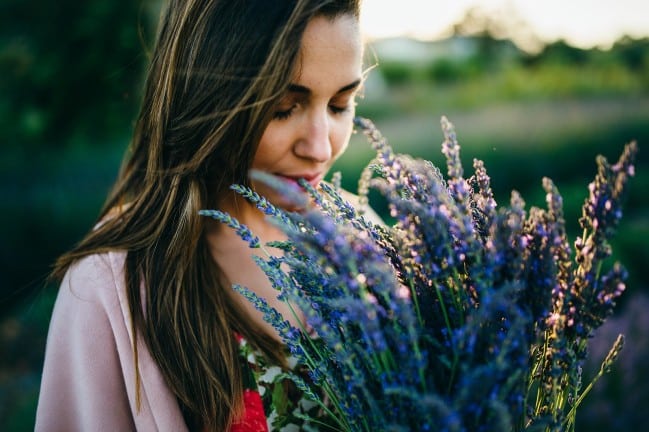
(312,123)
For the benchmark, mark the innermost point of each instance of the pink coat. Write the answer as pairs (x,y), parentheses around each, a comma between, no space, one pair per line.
(88,379)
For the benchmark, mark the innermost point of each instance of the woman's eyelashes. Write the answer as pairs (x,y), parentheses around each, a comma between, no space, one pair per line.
(283,114)
(339,109)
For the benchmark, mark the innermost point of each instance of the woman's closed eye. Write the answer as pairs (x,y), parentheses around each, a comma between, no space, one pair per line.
(282,114)
(340,109)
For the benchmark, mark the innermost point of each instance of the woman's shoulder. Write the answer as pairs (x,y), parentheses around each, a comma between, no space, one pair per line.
(90,374)
(98,273)
(98,265)
(96,277)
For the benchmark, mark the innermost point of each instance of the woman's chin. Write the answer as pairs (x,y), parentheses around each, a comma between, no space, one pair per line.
(297,203)
(287,205)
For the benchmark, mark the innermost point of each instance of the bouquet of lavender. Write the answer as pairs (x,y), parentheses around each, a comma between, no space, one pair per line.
(462,316)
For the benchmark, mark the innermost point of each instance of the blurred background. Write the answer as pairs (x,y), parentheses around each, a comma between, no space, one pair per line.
(534,89)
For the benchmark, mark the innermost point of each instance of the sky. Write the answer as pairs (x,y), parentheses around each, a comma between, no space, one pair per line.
(582,23)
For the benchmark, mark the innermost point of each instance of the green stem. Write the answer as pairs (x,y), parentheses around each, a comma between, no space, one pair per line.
(415,300)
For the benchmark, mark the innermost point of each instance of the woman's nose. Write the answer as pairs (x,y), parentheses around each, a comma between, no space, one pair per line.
(314,142)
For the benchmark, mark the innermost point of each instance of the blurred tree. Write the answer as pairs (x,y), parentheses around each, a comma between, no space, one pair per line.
(499,35)
(447,70)
(396,73)
(634,53)
(70,73)
(70,69)
(563,53)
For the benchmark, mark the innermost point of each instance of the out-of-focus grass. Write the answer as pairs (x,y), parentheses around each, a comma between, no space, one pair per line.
(511,82)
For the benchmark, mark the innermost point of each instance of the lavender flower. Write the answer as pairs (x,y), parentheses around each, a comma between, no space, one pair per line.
(484,204)
(462,315)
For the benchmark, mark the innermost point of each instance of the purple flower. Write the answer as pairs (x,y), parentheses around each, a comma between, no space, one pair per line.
(462,315)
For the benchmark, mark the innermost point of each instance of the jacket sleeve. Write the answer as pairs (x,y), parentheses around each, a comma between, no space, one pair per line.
(83,387)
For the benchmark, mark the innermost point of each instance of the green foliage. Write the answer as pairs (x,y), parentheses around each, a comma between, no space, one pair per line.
(396,73)
(634,54)
(446,70)
(494,71)
(71,70)
(562,53)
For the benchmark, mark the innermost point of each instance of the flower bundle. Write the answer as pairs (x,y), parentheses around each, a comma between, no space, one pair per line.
(461,316)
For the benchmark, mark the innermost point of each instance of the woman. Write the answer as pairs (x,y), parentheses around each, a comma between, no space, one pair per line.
(146,332)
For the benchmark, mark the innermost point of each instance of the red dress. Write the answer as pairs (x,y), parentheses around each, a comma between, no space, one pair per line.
(254,418)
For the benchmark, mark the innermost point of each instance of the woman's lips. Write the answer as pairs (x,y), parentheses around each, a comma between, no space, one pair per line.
(313,179)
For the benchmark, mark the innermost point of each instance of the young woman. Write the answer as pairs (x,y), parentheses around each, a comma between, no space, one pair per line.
(146,332)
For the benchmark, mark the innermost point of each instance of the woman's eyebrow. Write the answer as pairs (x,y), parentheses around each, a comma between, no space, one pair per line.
(297,88)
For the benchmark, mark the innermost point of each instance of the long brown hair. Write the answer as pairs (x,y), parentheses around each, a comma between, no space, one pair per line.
(217,71)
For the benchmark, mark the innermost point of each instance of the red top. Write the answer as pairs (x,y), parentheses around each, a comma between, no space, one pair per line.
(254,418)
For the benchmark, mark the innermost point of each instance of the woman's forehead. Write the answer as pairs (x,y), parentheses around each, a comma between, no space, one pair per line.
(330,54)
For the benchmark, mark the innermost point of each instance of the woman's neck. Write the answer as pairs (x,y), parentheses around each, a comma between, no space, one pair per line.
(235,260)
(219,235)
